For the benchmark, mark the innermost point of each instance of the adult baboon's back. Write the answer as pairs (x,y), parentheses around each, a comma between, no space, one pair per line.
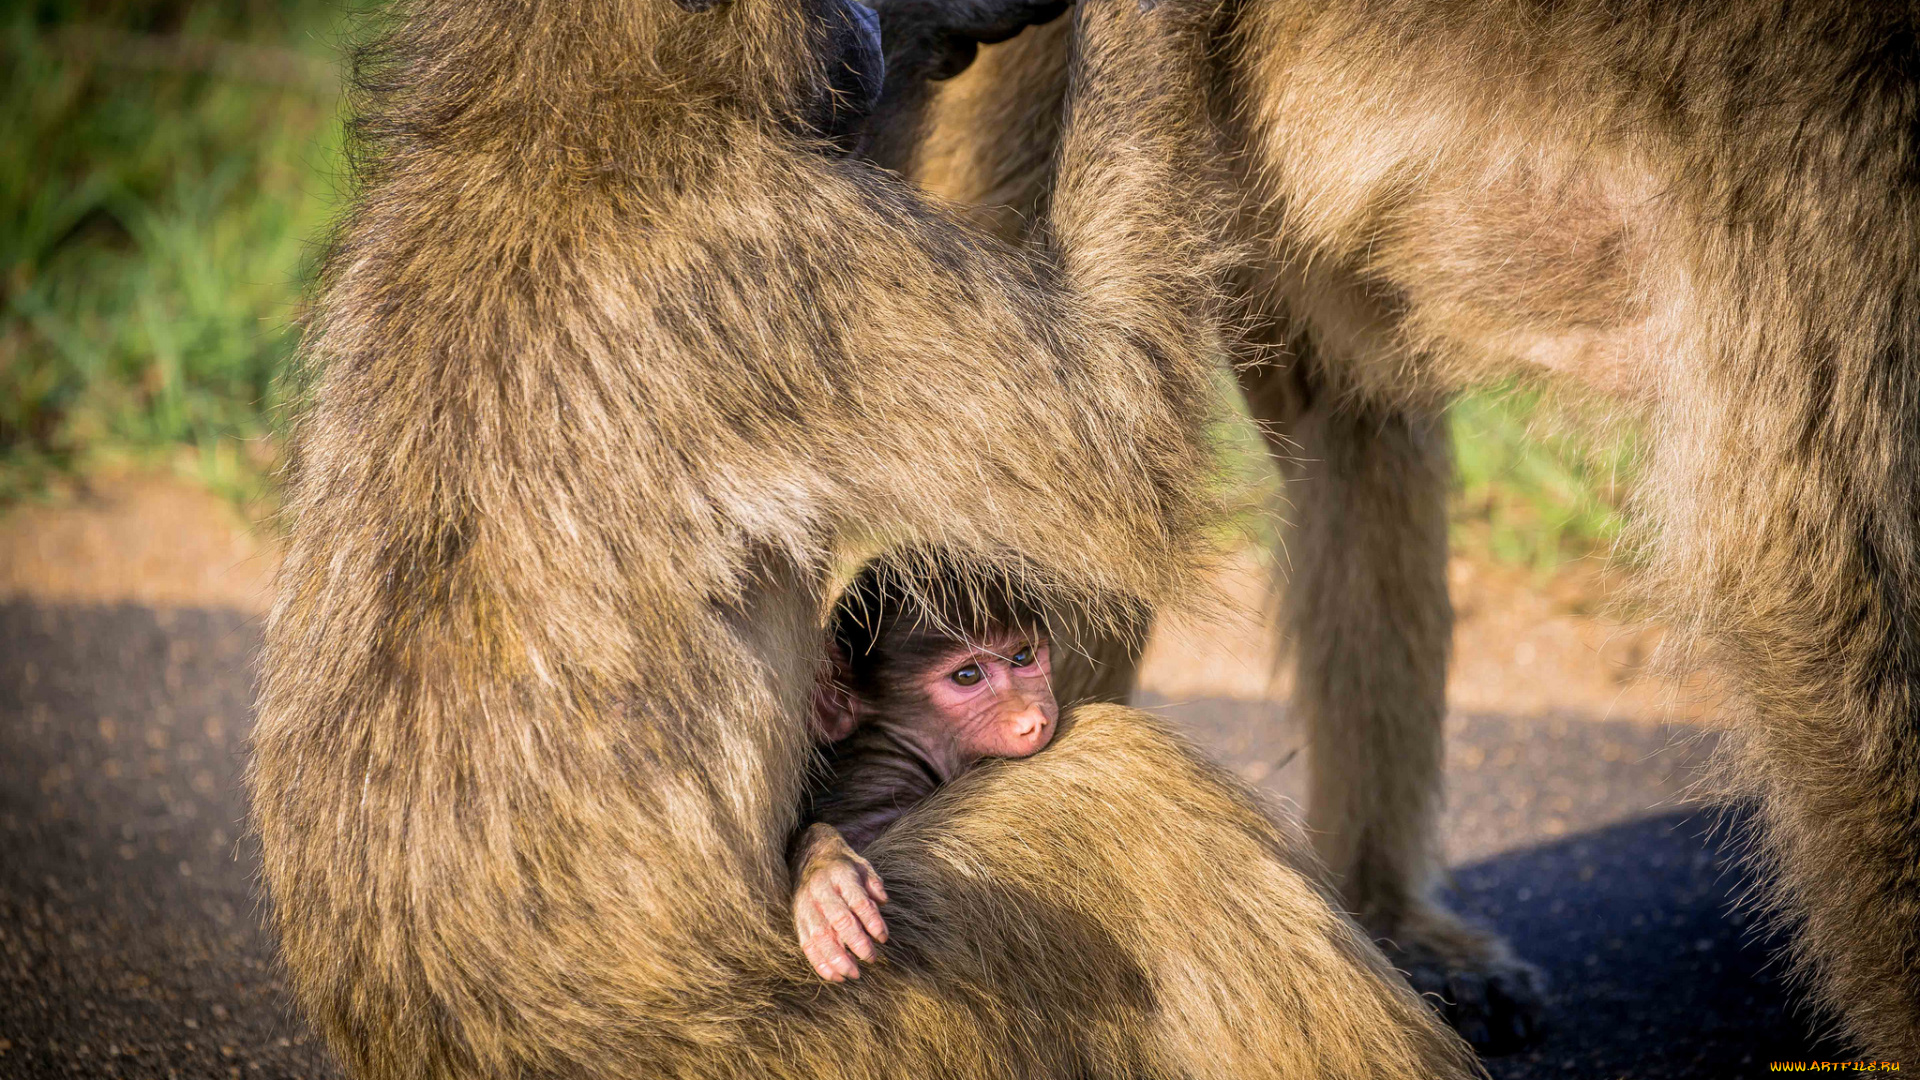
(614,355)
(1705,209)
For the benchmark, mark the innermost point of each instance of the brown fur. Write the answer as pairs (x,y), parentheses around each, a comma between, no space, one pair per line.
(614,362)
(1705,210)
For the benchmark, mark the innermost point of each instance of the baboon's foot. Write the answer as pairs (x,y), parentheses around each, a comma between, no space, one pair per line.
(1494,999)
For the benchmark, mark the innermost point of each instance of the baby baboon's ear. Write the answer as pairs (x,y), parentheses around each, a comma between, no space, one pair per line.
(836,711)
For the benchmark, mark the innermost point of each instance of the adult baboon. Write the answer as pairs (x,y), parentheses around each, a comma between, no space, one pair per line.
(614,356)
(1704,209)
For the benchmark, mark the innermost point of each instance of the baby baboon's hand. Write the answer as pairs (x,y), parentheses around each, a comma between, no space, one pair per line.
(836,905)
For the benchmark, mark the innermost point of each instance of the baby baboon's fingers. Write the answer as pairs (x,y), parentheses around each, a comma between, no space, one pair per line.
(867,911)
(812,895)
(851,934)
(809,926)
(843,878)
(834,965)
(825,953)
(875,887)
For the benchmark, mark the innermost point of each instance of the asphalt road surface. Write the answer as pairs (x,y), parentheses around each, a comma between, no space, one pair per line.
(129,925)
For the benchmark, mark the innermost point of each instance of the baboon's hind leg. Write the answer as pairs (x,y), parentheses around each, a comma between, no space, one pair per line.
(1370,624)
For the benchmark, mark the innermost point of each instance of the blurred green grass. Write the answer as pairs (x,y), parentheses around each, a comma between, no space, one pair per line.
(1538,482)
(169,167)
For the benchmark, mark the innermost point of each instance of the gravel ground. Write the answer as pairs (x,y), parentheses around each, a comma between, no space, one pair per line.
(129,943)
(129,927)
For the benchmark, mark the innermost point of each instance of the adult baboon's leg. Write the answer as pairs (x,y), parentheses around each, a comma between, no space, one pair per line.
(1789,553)
(1370,625)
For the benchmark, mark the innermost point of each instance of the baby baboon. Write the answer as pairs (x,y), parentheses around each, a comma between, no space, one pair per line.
(615,357)
(1702,209)
(923,684)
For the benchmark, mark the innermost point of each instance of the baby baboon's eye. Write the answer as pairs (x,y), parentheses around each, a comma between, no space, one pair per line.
(967,676)
(1022,656)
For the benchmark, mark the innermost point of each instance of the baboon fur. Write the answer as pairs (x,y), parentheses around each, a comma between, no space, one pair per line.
(1704,211)
(615,359)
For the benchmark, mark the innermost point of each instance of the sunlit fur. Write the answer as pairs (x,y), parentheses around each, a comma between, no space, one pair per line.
(614,363)
(1702,210)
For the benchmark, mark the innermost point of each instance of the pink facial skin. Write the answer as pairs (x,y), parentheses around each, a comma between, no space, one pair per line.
(991,700)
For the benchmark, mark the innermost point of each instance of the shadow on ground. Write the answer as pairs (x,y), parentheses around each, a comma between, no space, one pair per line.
(1653,974)
(129,929)
(1571,836)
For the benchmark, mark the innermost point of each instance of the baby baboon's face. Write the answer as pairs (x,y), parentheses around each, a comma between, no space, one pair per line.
(994,697)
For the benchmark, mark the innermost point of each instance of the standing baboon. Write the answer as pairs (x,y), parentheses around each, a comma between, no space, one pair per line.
(615,358)
(1703,209)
